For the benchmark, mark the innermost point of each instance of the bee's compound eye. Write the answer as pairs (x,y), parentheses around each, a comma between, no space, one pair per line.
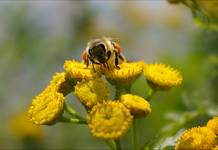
(102,47)
(98,49)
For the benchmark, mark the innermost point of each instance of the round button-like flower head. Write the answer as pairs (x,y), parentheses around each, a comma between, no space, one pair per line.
(109,120)
(162,77)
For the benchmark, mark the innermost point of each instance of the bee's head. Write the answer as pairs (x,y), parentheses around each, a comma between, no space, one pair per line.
(98,52)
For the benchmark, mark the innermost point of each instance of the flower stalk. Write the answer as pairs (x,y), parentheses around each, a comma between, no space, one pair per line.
(134,134)
(72,112)
(71,120)
(151,93)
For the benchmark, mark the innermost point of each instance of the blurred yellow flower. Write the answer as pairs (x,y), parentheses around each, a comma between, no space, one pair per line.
(188,3)
(197,138)
(46,107)
(79,71)
(92,92)
(174,1)
(126,75)
(21,127)
(215,148)
(138,106)
(109,120)
(213,124)
(162,77)
(210,8)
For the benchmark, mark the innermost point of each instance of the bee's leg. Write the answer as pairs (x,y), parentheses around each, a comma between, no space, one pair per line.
(92,62)
(121,57)
(93,66)
(87,62)
(116,60)
(108,55)
(107,66)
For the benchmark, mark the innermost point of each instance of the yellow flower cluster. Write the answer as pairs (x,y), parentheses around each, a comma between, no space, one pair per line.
(92,92)
(48,105)
(215,148)
(79,71)
(213,124)
(126,75)
(162,77)
(200,138)
(138,106)
(197,138)
(109,120)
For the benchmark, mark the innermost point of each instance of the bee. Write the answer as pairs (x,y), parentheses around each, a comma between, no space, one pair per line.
(99,51)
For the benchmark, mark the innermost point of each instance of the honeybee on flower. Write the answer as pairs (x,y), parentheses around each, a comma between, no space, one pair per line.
(100,50)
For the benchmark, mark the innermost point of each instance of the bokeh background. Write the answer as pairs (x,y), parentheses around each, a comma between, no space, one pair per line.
(36,37)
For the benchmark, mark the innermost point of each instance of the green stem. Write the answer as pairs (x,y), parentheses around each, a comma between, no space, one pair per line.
(134,136)
(151,93)
(122,90)
(128,89)
(112,144)
(118,93)
(72,112)
(118,145)
(71,120)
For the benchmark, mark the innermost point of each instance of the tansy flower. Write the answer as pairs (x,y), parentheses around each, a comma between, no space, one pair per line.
(22,127)
(109,120)
(79,70)
(174,1)
(46,107)
(126,75)
(58,79)
(162,77)
(197,138)
(138,106)
(92,92)
(61,83)
(213,124)
(215,148)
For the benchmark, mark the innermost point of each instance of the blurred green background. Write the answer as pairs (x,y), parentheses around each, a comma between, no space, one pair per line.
(36,37)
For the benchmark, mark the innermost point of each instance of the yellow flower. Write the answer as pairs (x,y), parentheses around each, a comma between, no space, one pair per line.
(22,127)
(79,71)
(188,3)
(46,107)
(92,92)
(215,148)
(126,75)
(210,8)
(109,120)
(62,84)
(174,1)
(58,79)
(162,77)
(197,138)
(213,124)
(138,106)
